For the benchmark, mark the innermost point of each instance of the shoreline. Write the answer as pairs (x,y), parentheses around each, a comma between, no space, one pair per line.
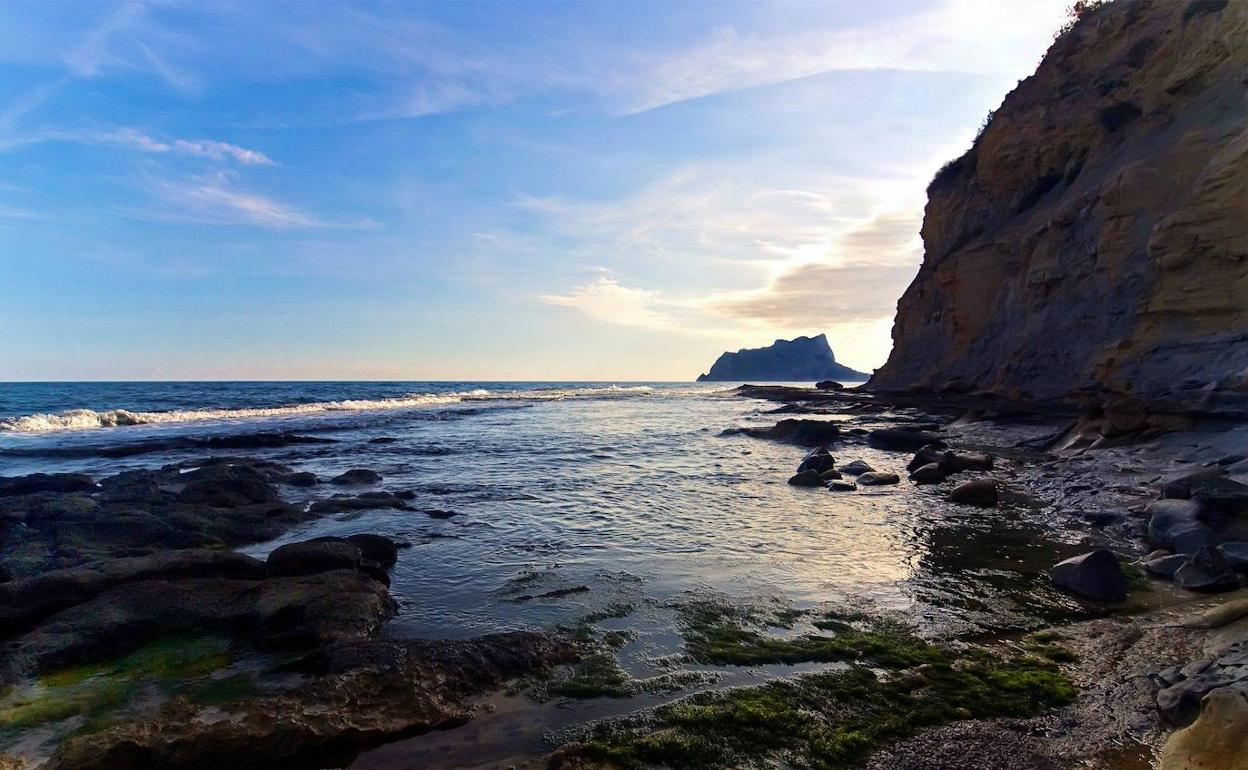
(1098,489)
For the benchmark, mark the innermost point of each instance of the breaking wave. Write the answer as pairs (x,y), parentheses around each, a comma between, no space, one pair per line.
(85,419)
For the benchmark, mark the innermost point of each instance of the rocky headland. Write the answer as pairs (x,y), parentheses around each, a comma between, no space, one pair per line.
(804,359)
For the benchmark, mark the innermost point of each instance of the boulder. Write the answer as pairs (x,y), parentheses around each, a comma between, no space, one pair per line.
(932,473)
(227,486)
(836,485)
(829,385)
(1165,517)
(301,479)
(313,556)
(856,468)
(46,482)
(378,548)
(901,439)
(1095,576)
(807,479)
(1179,703)
(957,462)
(1217,739)
(1164,566)
(932,453)
(1214,488)
(1206,571)
(980,492)
(831,474)
(1236,555)
(814,433)
(878,478)
(356,476)
(819,460)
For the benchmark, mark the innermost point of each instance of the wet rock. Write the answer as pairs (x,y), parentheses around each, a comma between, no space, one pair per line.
(366,501)
(798,431)
(356,476)
(957,462)
(383,440)
(980,492)
(314,556)
(830,475)
(819,460)
(1206,571)
(227,486)
(1217,739)
(557,593)
(1166,517)
(301,479)
(878,478)
(259,441)
(902,440)
(856,468)
(807,479)
(1179,704)
(438,513)
(46,482)
(932,453)
(837,485)
(1236,555)
(358,695)
(377,548)
(829,385)
(1095,576)
(1164,566)
(932,473)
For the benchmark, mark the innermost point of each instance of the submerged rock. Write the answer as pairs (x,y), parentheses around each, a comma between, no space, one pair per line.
(902,440)
(1095,576)
(878,478)
(356,476)
(363,502)
(797,431)
(980,492)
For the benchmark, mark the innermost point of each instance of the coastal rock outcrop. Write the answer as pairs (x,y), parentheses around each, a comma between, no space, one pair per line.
(1094,239)
(799,360)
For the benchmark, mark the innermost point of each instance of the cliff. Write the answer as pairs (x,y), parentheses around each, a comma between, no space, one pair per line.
(1094,240)
(799,360)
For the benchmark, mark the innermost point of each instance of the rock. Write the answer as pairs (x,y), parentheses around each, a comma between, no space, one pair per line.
(1095,576)
(957,462)
(383,440)
(837,485)
(1236,555)
(807,479)
(932,453)
(356,695)
(1164,566)
(1099,185)
(980,492)
(878,478)
(829,385)
(313,556)
(46,482)
(1179,703)
(1217,739)
(819,460)
(227,486)
(367,501)
(830,475)
(1206,571)
(1165,517)
(804,359)
(356,476)
(301,479)
(932,473)
(814,433)
(378,548)
(437,513)
(856,468)
(902,440)
(1189,539)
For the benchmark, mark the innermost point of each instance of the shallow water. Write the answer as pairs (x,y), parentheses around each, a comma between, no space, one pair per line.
(629,491)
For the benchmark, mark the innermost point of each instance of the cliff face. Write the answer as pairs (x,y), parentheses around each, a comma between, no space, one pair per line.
(1095,237)
(799,360)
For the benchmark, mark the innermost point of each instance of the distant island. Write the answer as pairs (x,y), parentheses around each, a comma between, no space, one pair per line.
(797,360)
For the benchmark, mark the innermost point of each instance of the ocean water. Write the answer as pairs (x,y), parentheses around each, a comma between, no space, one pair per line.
(626,492)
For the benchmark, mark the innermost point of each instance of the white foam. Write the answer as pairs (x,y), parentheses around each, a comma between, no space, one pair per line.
(85,419)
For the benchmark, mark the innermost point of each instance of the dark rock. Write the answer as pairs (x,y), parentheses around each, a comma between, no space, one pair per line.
(1179,704)
(855,468)
(378,548)
(46,482)
(878,478)
(932,453)
(819,460)
(1236,555)
(437,513)
(957,462)
(1165,517)
(831,474)
(805,359)
(1213,488)
(301,479)
(829,385)
(1230,459)
(902,440)
(837,485)
(807,479)
(260,441)
(1095,576)
(356,476)
(557,593)
(1191,538)
(1206,571)
(367,501)
(797,431)
(227,486)
(980,492)
(932,473)
(1164,566)
(383,440)
(313,556)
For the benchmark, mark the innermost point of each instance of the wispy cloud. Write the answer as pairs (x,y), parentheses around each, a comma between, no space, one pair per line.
(127,39)
(199,148)
(215,200)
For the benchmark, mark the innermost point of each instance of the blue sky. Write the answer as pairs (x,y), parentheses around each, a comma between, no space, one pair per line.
(474,190)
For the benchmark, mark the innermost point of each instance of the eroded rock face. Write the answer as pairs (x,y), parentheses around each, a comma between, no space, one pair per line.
(1094,238)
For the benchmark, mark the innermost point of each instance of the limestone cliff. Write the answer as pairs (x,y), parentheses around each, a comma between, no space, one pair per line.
(1094,240)
(798,360)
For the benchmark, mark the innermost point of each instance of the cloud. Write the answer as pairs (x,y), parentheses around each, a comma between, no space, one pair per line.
(213,200)
(200,148)
(128,39)
(605,299)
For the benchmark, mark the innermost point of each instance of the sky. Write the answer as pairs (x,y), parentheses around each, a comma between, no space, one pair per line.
(481,191)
